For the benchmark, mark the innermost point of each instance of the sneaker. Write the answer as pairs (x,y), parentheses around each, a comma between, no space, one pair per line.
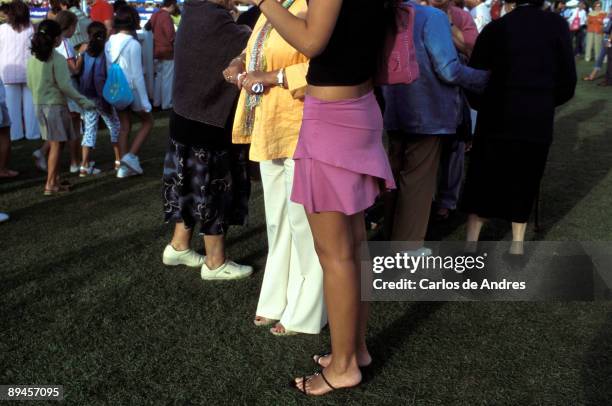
(189,257)
(228,271)
(132,162)
(420,252)
(88,171)
(74,168)
(125,172)
(39,160)
(4,217)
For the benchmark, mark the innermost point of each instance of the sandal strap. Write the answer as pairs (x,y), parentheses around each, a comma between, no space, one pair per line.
(326,381)
(319,356)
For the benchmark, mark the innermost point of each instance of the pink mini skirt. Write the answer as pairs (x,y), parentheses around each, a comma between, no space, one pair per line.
(340,162)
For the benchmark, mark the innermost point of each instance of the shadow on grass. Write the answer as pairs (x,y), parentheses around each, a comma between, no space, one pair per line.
(392,338)
(581,166)
(597,367)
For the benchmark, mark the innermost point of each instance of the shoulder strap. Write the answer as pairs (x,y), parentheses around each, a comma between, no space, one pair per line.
(122,48)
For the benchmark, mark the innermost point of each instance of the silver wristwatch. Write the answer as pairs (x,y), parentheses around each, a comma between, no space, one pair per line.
(280,78)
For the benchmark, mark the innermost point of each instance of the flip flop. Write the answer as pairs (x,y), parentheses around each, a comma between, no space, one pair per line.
(303,390)
(56,191)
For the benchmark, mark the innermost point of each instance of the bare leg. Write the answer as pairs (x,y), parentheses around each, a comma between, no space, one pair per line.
(363,355)
(85,154)
(181,240)
(45,148)
(5,153)
(474,225)
(124,132)
(215,251)
(335,243)
(518,238)
(142,134)
(116,151)
(75,145)
(55,148)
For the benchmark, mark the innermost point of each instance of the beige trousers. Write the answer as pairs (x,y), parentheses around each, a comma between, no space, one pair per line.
(593,42)
(292,288)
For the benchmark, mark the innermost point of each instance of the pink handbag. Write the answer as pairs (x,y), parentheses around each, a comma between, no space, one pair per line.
(400,64)
(576,22)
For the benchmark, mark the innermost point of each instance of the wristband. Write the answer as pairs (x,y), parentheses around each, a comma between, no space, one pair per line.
(260,3)
(280,78)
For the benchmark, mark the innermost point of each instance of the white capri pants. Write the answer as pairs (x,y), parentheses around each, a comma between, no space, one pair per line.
(21,111)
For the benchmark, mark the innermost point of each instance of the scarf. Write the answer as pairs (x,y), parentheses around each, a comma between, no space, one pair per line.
(258,63)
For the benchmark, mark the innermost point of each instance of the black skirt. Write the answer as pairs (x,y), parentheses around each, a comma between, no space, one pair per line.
(205,184)
(503,178)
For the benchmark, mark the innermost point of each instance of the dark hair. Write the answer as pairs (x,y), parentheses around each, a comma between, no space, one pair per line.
(54,6)
(97,38)
(66,19)
(43,41)
(18,15)
(118,4)
(537,3)
(390,10)
(168,3)
(69,3)
(124,19)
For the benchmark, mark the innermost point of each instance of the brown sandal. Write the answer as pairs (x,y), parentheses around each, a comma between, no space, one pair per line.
(56,190)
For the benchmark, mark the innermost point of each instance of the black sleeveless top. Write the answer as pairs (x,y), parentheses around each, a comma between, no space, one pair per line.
(352,54)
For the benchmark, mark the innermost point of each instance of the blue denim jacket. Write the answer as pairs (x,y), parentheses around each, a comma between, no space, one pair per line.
(432,104)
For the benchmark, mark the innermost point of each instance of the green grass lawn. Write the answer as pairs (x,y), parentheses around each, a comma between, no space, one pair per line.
(86,302)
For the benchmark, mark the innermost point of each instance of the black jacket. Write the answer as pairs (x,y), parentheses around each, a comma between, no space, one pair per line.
(530,56)
(207,40)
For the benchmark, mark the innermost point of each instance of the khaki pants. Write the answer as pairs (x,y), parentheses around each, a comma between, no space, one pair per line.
(292,288)
(414,161)
(593,42)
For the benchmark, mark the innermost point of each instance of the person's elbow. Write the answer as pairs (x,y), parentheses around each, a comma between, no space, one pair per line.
(449,73)
(312,50)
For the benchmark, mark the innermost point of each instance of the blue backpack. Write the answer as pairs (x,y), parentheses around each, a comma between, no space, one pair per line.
(117,90)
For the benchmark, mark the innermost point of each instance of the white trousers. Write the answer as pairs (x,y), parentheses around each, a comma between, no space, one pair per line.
(21,110)
(292,288)
(164,77)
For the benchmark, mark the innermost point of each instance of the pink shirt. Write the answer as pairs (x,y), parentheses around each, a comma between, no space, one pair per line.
(465,23)
(14,54)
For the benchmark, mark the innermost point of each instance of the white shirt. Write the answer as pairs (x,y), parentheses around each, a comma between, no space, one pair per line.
(481,16)
(14,53)
(570,15)
(126,51)
(66,50)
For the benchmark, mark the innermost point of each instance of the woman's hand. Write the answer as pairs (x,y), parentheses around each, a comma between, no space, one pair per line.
(233,70)
(83,48)
(248,80)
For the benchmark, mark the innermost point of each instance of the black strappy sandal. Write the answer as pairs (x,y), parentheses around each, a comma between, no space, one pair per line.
(305,378)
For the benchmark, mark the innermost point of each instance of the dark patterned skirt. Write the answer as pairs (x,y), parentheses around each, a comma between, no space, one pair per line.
(206,186)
